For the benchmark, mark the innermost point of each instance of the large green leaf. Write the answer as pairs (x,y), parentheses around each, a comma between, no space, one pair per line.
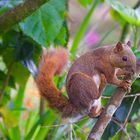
(31,120)
(20,74)
(15,133)
(4,132)
(128,14)
(39,132)
(48,121)
(117,17)
(46,23)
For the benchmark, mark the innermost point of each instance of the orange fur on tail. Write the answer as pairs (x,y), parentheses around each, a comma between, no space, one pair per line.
(52,63)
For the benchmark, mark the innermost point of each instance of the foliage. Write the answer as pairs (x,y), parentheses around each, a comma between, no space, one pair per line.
(130,15)
(47,27)
(85,2)
(47,24)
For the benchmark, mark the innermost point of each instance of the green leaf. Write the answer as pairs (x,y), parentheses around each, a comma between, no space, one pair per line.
(128,14)
(109,90)
(32,118)
(18,101)
(3,77)
(10,118)
(4,132)
(3,10)
(138,127)
(20,74)
(117,17)
(85,2)
(46,23)
(137,53)
(63,36)
(46,119)
(15,133)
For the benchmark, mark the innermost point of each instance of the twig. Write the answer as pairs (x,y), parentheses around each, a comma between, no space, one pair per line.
(123,125)
(69,123)
(106,115)
(71,132)
(53,126)
(131,107)
(128,136)
(122,128)
(17,14)
(127,96)
(82,131)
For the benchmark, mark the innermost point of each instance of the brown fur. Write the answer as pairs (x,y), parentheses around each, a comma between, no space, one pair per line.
(52,63)
(82,90)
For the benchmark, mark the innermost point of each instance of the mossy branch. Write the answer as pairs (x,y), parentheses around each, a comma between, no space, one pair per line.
(14,16)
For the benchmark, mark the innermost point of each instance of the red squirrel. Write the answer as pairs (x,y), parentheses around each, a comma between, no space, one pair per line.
(86,79)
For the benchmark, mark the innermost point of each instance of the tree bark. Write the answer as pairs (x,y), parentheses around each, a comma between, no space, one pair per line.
(14,16)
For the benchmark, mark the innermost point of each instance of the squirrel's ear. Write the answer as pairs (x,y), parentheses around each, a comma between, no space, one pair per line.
(118,47)
(129,44)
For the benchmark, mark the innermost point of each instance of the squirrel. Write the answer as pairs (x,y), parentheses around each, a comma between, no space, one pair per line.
(86,79)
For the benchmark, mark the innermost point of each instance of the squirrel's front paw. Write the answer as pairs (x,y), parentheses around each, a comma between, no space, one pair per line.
(126,85)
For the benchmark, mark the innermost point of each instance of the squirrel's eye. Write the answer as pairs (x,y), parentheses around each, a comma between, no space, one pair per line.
(124,58)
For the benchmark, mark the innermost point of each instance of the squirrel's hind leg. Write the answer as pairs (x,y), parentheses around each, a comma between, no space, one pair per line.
(97,108)
(82,91)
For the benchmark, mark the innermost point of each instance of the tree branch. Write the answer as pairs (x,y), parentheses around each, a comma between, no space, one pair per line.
(17,14)
(105,117)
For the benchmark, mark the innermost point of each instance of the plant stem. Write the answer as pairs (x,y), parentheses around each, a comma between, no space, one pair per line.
(124,32)
(42,106)
(83,28)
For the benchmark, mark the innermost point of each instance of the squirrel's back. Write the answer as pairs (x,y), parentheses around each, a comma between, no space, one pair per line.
(87,62)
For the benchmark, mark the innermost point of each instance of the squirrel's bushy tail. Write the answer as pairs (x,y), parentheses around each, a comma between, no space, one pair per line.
(52,63)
